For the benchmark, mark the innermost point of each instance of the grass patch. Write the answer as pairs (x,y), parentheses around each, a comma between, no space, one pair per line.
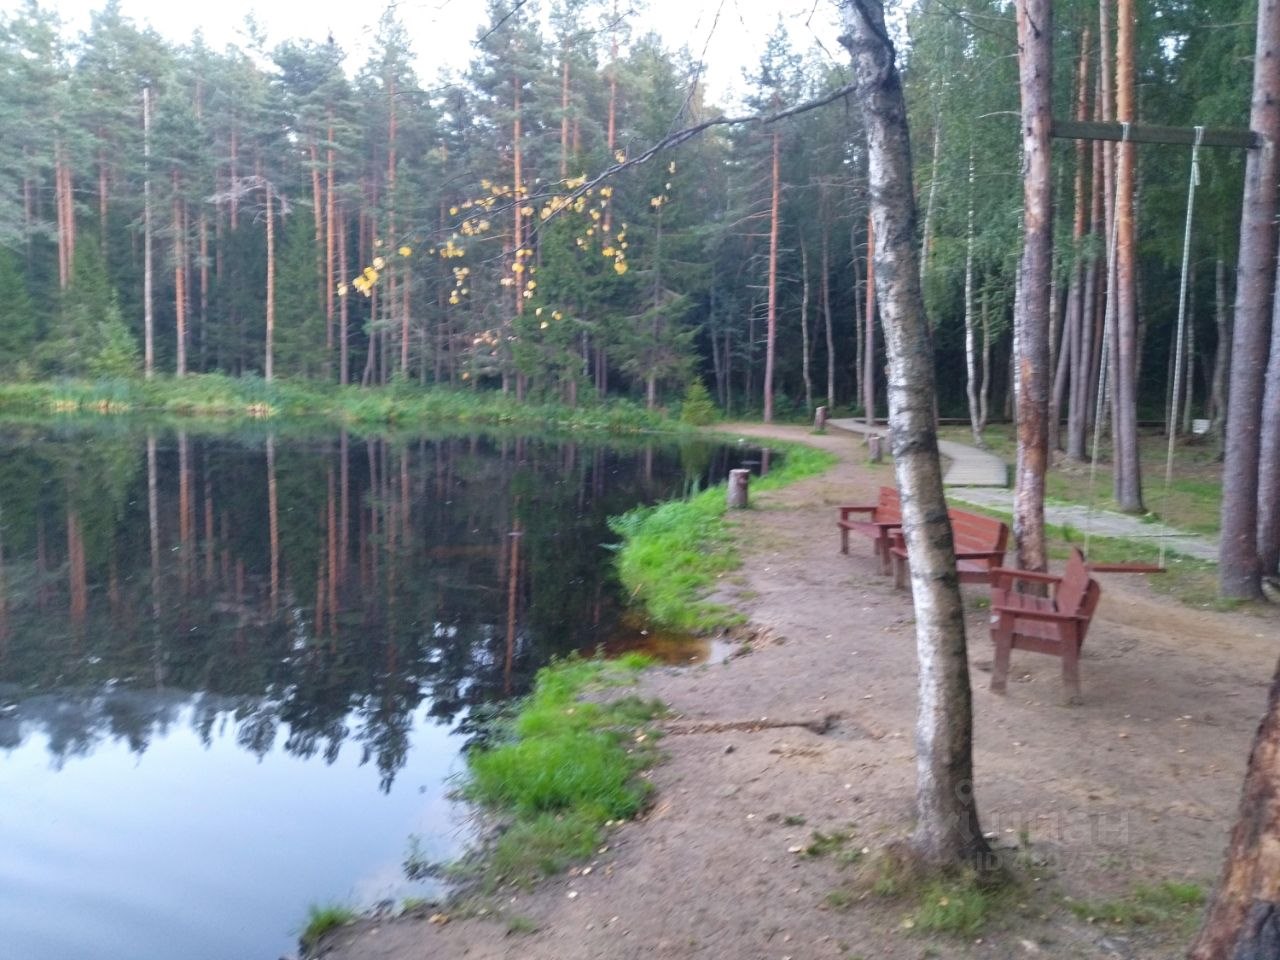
(955,902)
(672,554)
(323,919)
(561,767)
(214,396)
(1170,904)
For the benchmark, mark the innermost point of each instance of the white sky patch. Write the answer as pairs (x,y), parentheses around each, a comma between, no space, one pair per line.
(731,32)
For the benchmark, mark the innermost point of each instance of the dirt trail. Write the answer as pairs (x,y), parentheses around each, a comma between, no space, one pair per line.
(1139,784)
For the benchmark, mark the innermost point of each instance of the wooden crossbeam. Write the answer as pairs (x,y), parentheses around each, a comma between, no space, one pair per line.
(1140,133)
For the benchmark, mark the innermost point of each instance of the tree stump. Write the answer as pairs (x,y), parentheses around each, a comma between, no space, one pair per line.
(736,497)
(820,419)
(875,445)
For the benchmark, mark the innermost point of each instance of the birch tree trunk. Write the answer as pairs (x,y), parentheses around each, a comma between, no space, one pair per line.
(1269,457)
(970,334)
(1031,316)
(1239,570)
(869,330)
(947,831)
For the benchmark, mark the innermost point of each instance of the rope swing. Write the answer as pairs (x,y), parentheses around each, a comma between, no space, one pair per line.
(1104,366)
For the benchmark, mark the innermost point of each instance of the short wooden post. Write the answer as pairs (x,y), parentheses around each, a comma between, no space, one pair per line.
(820,419)
(875,444)
(736,497)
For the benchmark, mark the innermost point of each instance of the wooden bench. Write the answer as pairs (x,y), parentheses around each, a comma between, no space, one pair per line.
(980,545)
(1055,624)
(878,521)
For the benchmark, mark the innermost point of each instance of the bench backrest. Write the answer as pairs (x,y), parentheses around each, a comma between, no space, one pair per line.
(1078,593)
(972,531)
(888,505)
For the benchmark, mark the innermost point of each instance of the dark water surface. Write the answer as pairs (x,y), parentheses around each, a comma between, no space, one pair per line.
(236,670)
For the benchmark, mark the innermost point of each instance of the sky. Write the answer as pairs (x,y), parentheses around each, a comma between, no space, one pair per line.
(731,32)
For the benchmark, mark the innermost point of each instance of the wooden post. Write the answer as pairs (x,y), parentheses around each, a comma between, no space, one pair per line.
(820,419)
(736,497)
(875,445)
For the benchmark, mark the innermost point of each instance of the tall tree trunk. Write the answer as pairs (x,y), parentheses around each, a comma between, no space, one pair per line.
(869,331)
(984,393)
(805,358)
(947,829)
(1075,315)
(269,358)
(330,279)
(179,281)
(344,309)
(1243,918)
(1222,353)
(1031,322)
(926,235)
(148,279)
(564,111)
(1269,456)
(202,230)
(826,314)
(1239,569)
(970,337)
(771,332)
(1128,466)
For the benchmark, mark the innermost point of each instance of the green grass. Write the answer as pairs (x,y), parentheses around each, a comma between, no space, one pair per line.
(672,554)
(563,766)
(1170,904)
(323,919)
(251,398)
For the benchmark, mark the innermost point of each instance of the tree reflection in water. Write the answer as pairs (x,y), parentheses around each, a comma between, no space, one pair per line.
(309,592)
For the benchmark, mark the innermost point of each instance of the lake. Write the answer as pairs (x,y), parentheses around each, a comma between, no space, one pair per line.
(237,669)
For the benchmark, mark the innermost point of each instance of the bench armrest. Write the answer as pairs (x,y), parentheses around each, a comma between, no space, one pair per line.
(1009,573)
(848,508)
(981,555)
(1029,613)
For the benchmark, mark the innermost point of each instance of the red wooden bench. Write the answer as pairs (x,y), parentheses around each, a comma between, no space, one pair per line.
(877,521)
(1055,624)
(980,544)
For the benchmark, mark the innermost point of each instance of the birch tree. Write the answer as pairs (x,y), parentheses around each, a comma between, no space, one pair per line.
(947,830)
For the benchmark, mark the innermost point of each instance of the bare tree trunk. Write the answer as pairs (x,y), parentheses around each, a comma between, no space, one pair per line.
(148,279)
(344,313)
(970,334)
(179,282)
(1239,569)
(771,334)
(1222,354)
(1188,376)
(1269,457)
(805,360)
(926,235)
(857,313)
(984,393)
(947,831)
(269,360)
(330,278)
(1128,466)
(869,330)
(826,314)
(1075,315)
(1031,321)
(1243,918)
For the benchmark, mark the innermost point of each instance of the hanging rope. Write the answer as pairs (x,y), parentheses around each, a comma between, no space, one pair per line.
(1103,367)
(1192,183)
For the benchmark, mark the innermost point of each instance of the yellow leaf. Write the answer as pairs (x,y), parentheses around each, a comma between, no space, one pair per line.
(405,251)
(620,267)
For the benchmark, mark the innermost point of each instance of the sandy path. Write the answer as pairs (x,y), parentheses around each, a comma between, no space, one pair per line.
(1139,784)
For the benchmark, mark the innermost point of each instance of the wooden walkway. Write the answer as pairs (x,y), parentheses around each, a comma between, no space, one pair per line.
(968,466)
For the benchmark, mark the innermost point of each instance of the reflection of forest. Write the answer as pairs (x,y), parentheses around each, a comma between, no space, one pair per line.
(311,591)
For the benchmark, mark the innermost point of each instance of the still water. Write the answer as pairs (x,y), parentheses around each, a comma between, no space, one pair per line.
(237,670)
